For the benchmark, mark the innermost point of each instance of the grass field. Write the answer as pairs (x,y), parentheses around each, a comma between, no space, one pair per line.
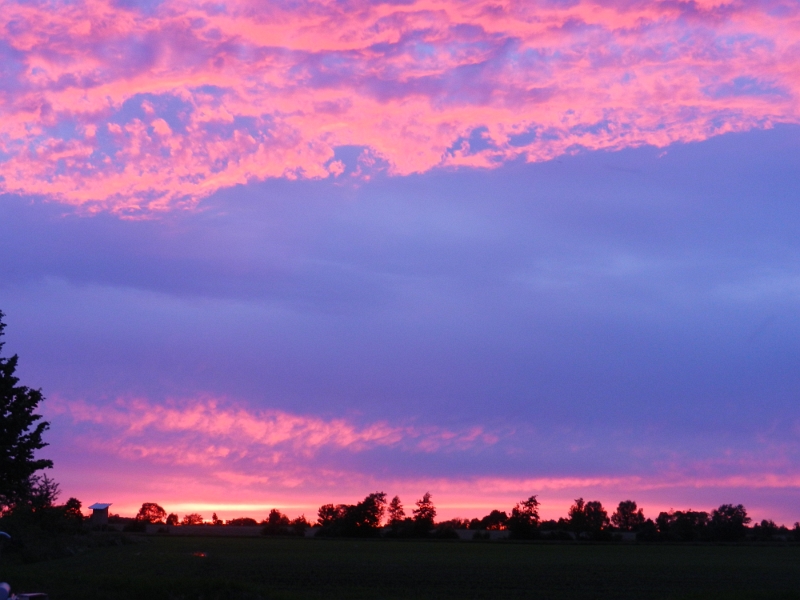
(167,568)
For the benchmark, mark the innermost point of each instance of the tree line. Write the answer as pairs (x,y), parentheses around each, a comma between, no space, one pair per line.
(375,516)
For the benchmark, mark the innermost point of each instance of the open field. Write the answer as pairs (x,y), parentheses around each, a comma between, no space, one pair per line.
(167,568)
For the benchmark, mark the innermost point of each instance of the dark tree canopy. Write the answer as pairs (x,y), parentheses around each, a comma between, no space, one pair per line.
(191,519)
(21,432)
(494,521)
(353,520)
(150,512)
(72,508)
(395,512)
(628,517)
(276,523)
(425,512)
(276,517)
(239,522)
(424,515)
(589,517)
(684,525)
(299,525)
(729,522)
(577,515)
(524,519)
(328,514)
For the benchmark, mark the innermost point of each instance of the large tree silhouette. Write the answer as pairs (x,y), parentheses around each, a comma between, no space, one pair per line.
(424,514)
(628,516)
(353,520)
(729,522)
(588,517)
(150,512)
(524,519)
(395,512)
(21,432)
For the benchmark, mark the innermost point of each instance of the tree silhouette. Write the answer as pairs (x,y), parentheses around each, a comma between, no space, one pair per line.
(276,523)
(455,523)
(72,510)
(424,514)
(596,516)
(577,515)
(494,521)
(686,525)
(241,522)
(328,514)
(395,513)
(588,517)
(766,529)
(192,519)
(20,434)
(353,520)
(369,512)
(43,493)
(524,520)
(729,522)
(172,519)
(628,517)
(150,512)
(299,525)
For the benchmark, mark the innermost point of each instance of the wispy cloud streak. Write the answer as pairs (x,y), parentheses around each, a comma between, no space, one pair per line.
(151,107)
(212,433)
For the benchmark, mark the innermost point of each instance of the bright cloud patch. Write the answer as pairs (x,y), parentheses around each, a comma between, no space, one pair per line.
(210,433)
(132,109)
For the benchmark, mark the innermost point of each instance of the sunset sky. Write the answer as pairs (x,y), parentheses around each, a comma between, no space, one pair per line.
(279,254)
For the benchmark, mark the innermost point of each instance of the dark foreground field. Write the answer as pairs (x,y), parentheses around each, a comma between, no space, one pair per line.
(167,568)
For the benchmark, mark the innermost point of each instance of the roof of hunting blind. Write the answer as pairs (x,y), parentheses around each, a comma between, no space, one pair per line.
(99,506)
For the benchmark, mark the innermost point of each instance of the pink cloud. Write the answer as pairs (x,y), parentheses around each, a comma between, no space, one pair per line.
(123,110)
(210,433)
(203,455)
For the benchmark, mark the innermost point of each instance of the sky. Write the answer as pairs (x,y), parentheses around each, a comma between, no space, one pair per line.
(283,254)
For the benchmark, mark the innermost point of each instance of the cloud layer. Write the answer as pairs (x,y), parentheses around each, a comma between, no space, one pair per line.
(209,432)
(136,107)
